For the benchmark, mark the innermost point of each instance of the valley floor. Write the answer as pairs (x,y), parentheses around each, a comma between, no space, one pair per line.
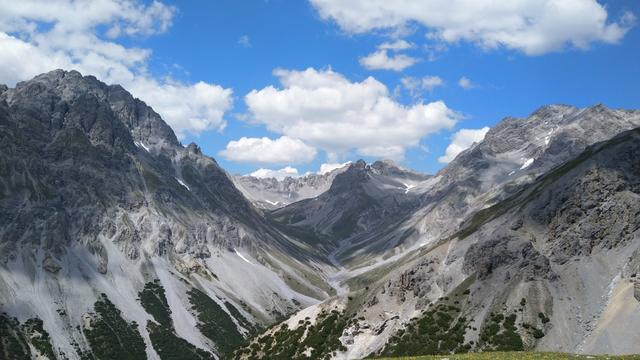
(516,356)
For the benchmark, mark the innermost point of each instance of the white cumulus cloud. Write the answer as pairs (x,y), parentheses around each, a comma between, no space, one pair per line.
(327,111)
(38,36)
(283,150)
(462,140)
(533,27)
(431,82)
(279,174)
(381,60)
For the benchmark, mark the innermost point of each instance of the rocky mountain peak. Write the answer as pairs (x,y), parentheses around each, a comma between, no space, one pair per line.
(384,164)
(194,148)
(58,92)
(553,110)
(76,132)
(558,131)
(356,174)
(360,164)
(599,107)
(388,167)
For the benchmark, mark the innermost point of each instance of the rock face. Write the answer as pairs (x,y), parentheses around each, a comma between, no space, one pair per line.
(271,193)
(98,196)
(513,154)
(88,157)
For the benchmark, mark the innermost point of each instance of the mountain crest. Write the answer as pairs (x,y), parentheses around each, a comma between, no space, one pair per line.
(61,90)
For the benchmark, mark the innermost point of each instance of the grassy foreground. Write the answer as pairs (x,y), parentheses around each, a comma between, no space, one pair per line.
(516,356)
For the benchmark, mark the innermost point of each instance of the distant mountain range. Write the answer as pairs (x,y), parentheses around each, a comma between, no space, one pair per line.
(271,193)
(116,241)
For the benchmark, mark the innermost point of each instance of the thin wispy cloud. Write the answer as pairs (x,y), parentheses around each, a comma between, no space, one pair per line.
(465,83)
(244,41)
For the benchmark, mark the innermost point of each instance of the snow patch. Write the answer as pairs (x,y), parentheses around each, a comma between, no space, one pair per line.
(526,164)
(407,187)
(272,202)
(241,256)
(140,144)
(183,184)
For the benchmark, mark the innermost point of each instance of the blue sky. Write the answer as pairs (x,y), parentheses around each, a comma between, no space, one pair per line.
(202,42)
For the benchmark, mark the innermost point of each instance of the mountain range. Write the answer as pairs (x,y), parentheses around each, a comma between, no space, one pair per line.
(271,193)
(116,241)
